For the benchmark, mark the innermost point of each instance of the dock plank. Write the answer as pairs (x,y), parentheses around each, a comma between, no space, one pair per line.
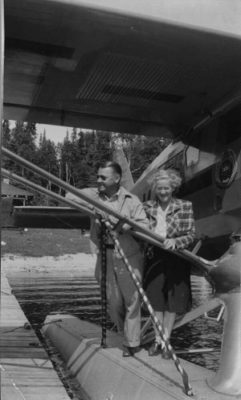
(26,371)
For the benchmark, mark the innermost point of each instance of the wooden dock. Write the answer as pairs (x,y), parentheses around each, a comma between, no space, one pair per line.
(26,371)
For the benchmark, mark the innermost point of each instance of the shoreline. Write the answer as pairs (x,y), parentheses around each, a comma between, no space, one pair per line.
(78,264)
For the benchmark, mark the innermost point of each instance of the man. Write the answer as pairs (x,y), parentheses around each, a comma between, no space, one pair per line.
(122,295)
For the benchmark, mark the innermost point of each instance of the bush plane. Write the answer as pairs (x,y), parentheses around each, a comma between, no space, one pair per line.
(210,165)
(168,69)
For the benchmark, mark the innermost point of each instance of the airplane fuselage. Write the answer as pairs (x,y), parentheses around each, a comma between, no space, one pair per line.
(210,165)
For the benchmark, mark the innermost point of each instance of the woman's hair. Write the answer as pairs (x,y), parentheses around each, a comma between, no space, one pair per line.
(172,175)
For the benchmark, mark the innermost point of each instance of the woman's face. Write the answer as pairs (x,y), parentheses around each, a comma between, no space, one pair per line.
(164,191)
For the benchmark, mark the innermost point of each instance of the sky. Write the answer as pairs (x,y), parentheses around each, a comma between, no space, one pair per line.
(54,133)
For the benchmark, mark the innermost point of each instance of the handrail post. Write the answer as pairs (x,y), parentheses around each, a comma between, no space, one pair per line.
(103,283)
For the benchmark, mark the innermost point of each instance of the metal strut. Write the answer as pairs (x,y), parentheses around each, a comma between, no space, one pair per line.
(156,322)
(103,238)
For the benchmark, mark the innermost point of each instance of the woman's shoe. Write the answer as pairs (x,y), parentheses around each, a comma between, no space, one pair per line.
(155,349)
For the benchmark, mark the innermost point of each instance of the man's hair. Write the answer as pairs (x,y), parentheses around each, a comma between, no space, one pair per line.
(111,164)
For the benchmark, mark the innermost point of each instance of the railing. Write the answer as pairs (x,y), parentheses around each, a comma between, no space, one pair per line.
(203,266)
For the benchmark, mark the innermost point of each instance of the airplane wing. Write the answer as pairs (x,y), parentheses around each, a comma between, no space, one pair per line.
(152,68)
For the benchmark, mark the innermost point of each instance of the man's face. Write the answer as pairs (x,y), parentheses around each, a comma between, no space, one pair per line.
(107,180)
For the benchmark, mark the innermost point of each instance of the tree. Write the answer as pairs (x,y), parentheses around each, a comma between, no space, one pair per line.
(21,140)
(140,150)
(6,137)
(68,157)
(94,147)
(46,156)
(77,159)
(6,132)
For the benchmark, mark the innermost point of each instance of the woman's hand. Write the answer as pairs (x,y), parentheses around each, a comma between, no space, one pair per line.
(169,244)
(124,228)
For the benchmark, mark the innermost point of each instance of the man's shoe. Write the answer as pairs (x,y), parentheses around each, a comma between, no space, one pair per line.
(130,351)
(155,349)
(166,355)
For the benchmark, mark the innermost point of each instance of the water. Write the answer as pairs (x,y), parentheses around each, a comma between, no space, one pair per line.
(81,297)
(201,332)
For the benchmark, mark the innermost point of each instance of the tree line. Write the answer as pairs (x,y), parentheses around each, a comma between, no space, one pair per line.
(76,159)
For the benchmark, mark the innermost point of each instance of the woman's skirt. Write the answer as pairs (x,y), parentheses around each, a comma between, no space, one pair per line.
(167,281)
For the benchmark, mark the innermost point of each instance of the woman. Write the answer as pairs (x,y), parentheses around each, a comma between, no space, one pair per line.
(167,279)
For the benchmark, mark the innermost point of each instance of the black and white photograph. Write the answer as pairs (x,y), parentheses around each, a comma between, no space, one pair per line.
(120,212)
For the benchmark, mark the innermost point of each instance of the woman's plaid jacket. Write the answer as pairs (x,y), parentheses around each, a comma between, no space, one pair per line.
(179,219)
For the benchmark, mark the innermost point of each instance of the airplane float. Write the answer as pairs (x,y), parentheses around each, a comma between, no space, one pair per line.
(166,68)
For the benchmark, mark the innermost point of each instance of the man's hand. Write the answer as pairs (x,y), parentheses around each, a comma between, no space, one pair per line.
(125,228)
(121,228)
(112,223)
(169,244)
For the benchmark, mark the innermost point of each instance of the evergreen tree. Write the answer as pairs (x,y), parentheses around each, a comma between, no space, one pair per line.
(6,133)
(74,135)
(22,142)
(93,148)
(46,158)
(6,137)
(140,150)
(76,160)
(144,151)
(68,158)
